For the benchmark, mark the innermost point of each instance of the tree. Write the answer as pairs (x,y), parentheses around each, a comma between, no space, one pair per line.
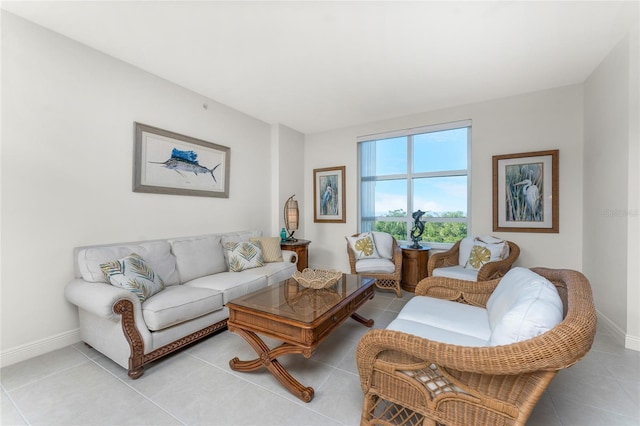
(436,232)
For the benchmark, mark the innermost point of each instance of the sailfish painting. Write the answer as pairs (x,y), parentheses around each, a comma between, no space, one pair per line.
(186,161)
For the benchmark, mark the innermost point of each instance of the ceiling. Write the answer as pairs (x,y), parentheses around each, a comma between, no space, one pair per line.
(316,66)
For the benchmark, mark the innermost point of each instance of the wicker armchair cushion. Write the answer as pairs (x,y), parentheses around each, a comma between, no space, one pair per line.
(435,333)
(523,305)
(379,265)
(458,272)
(448,315)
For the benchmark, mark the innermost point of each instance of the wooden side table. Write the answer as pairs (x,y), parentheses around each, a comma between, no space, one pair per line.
(414,266)
(301,249)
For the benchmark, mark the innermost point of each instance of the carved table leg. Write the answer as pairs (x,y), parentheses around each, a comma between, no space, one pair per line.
(267,358)
(362,320)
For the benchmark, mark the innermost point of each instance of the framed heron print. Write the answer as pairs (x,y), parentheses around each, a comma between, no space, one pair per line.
(329,195)
(525,192)
(169,163)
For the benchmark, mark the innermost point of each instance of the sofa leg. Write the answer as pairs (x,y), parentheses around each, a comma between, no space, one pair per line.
(136,373)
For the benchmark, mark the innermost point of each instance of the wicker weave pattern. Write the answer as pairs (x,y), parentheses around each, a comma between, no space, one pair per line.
(408,380)
(490,271)
(383,281)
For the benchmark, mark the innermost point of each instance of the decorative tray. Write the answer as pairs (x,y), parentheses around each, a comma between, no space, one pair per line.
(316,278)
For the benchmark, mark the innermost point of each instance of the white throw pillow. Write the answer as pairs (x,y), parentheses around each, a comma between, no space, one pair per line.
(132,273)
(270,246)
(485,250)
(523,305)
(243,255)
(383,243)
(363,246)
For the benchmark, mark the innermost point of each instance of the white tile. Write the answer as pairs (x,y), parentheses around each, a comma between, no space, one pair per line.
(9,414)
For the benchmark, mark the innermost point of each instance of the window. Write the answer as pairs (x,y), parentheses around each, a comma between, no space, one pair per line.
(416,169)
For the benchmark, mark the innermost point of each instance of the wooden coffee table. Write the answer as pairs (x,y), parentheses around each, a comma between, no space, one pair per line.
(300,317)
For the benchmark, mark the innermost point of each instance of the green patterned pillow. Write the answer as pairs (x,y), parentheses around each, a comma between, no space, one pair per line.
(243,255)
(363,246)
(132,273)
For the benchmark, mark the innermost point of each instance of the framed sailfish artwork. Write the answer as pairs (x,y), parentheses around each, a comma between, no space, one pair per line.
(170,163)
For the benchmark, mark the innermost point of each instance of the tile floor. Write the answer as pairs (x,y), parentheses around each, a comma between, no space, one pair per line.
(78,386)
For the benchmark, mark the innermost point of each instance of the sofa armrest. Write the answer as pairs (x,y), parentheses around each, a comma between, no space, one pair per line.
(289,256)
(98,298)
(471,292)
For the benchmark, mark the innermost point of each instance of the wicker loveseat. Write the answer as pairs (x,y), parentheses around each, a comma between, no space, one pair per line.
(411,380)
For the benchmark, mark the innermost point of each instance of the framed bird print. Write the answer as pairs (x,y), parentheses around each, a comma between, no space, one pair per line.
(169,163)
(329,195)
(525,192)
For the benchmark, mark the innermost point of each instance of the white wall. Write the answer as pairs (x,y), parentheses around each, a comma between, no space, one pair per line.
(67,147)
(611,189)
(539,121)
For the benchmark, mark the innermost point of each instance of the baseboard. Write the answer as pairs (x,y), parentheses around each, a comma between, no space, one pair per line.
(628,341)
(32,350)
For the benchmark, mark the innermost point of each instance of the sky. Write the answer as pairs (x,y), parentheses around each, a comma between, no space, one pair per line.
(433,152)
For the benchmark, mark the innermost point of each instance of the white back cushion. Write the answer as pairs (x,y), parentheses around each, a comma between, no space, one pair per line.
(523,305)
(198,256)
(156,254)
(384,244)
(465,250)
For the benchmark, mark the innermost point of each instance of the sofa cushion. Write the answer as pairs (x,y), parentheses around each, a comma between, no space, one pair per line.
(458,272)
(178,304)
(274,271)
(452,316)
(134,274)
(523,305)
(231,284)
(363,246)
(198,256)
(383,243)
(270,246)
(379,265)
(434,333)
(485,250)
(156,254)
(243,256)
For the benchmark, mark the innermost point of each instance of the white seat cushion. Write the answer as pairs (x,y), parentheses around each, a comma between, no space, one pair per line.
(459,272)
(453,316)
(231,284)
(434,333)
(177,304)
(379,265)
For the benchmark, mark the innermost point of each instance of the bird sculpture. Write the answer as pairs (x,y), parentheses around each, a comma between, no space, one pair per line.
(531,196)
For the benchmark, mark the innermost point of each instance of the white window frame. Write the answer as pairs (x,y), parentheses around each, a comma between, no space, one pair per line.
(410,176)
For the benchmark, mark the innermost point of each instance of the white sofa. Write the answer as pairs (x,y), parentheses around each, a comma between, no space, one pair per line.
(198,284)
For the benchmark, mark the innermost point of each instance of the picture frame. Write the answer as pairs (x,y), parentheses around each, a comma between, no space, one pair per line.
(329,202)
(526,192)
(170,163)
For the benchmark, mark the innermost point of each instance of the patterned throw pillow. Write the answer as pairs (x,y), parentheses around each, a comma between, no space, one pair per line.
(243,255)
(485,250)
(363,246)
(132,273)
(270,247)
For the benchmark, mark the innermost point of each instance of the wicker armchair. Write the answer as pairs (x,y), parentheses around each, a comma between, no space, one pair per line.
(488,271)
(385,281)
(408,380)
